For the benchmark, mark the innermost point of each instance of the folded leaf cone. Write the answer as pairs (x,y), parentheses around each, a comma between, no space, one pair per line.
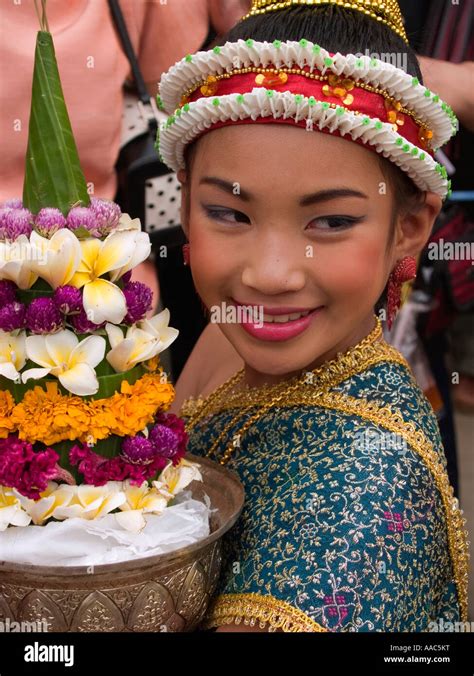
(53,174)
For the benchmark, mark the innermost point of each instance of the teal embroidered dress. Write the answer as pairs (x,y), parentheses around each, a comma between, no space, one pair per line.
(349,522)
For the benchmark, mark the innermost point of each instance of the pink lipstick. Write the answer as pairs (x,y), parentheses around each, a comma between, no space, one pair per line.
(279,323)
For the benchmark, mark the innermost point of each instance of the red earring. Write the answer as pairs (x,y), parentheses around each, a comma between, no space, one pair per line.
(404,271)
(186,254)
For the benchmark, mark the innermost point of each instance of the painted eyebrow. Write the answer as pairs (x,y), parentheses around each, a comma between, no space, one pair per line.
(307,200)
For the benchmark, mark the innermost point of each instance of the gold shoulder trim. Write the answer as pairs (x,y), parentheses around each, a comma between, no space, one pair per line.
(265,610)
(392,419)
(324,377)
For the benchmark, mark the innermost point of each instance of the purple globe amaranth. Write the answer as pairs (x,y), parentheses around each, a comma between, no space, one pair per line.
(18,222)
(107,213)
(13,203)
(7,291)
(176,425)
(68,299)
(4,211)
(139,299)
(82,324)
(42,316)
(138,450)
(12,316)
(48,221)
(164,440)
(83,217)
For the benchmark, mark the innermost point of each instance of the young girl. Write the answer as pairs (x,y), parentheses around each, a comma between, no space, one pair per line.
(309,186)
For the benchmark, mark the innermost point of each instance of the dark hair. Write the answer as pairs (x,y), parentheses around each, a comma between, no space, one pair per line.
(337,29)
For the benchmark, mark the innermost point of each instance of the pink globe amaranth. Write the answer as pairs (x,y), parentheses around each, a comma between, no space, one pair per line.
(42,316)
(82,324)
(7,291)
(12,316)
(25,469)
(68,299)
(97,470)
(48,221)
(83,217)
(139,299)
(18,222)
(107,213)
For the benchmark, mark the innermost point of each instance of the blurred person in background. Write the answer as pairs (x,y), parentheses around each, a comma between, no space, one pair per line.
(93,69)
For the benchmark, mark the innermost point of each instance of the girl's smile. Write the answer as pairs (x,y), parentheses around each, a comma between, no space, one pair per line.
(279,323)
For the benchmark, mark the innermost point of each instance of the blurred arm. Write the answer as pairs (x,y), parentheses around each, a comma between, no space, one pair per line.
(454,82)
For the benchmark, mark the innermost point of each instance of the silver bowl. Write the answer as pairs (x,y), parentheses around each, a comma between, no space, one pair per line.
(168,592)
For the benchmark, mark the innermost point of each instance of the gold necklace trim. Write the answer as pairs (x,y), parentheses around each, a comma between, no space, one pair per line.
(264,610)
(330,373)
(317,380)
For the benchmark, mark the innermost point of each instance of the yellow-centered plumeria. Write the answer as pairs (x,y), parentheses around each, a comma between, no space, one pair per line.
(63,501)
(70,361)
(15,262)
(173,479)
(141,500)
(55,260)
(12,354)
(66,502)
(143,341)
(11,509)
(118,253)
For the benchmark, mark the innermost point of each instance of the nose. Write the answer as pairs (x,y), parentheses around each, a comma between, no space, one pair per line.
(274,266)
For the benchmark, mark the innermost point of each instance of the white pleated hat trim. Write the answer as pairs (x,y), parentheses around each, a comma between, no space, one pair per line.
(186,123)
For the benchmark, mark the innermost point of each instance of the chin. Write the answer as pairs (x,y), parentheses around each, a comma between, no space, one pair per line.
(270,358)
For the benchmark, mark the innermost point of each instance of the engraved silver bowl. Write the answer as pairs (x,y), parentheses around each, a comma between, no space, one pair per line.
(168,592)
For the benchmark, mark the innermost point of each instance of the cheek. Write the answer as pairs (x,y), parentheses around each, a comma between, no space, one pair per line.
(209,265)
(357,266)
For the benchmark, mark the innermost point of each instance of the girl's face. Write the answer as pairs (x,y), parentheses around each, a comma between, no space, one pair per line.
(291,223)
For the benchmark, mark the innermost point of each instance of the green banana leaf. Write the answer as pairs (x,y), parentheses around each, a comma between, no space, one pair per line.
(53,174)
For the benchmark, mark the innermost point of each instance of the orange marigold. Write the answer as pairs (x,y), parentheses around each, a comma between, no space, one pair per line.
(7,404)
(137,404)
(50,417)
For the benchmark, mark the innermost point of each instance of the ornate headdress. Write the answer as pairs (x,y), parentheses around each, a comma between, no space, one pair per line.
(357,97)
(385,11)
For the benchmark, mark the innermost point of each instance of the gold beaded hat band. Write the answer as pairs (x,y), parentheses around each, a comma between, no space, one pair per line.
(358,98)
(384,11)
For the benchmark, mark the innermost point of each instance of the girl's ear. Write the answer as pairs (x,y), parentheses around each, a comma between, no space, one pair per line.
(184,208)
(414,228)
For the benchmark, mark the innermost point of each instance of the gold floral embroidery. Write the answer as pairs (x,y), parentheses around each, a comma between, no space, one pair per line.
(265,610)
(393,420)
(317,393)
